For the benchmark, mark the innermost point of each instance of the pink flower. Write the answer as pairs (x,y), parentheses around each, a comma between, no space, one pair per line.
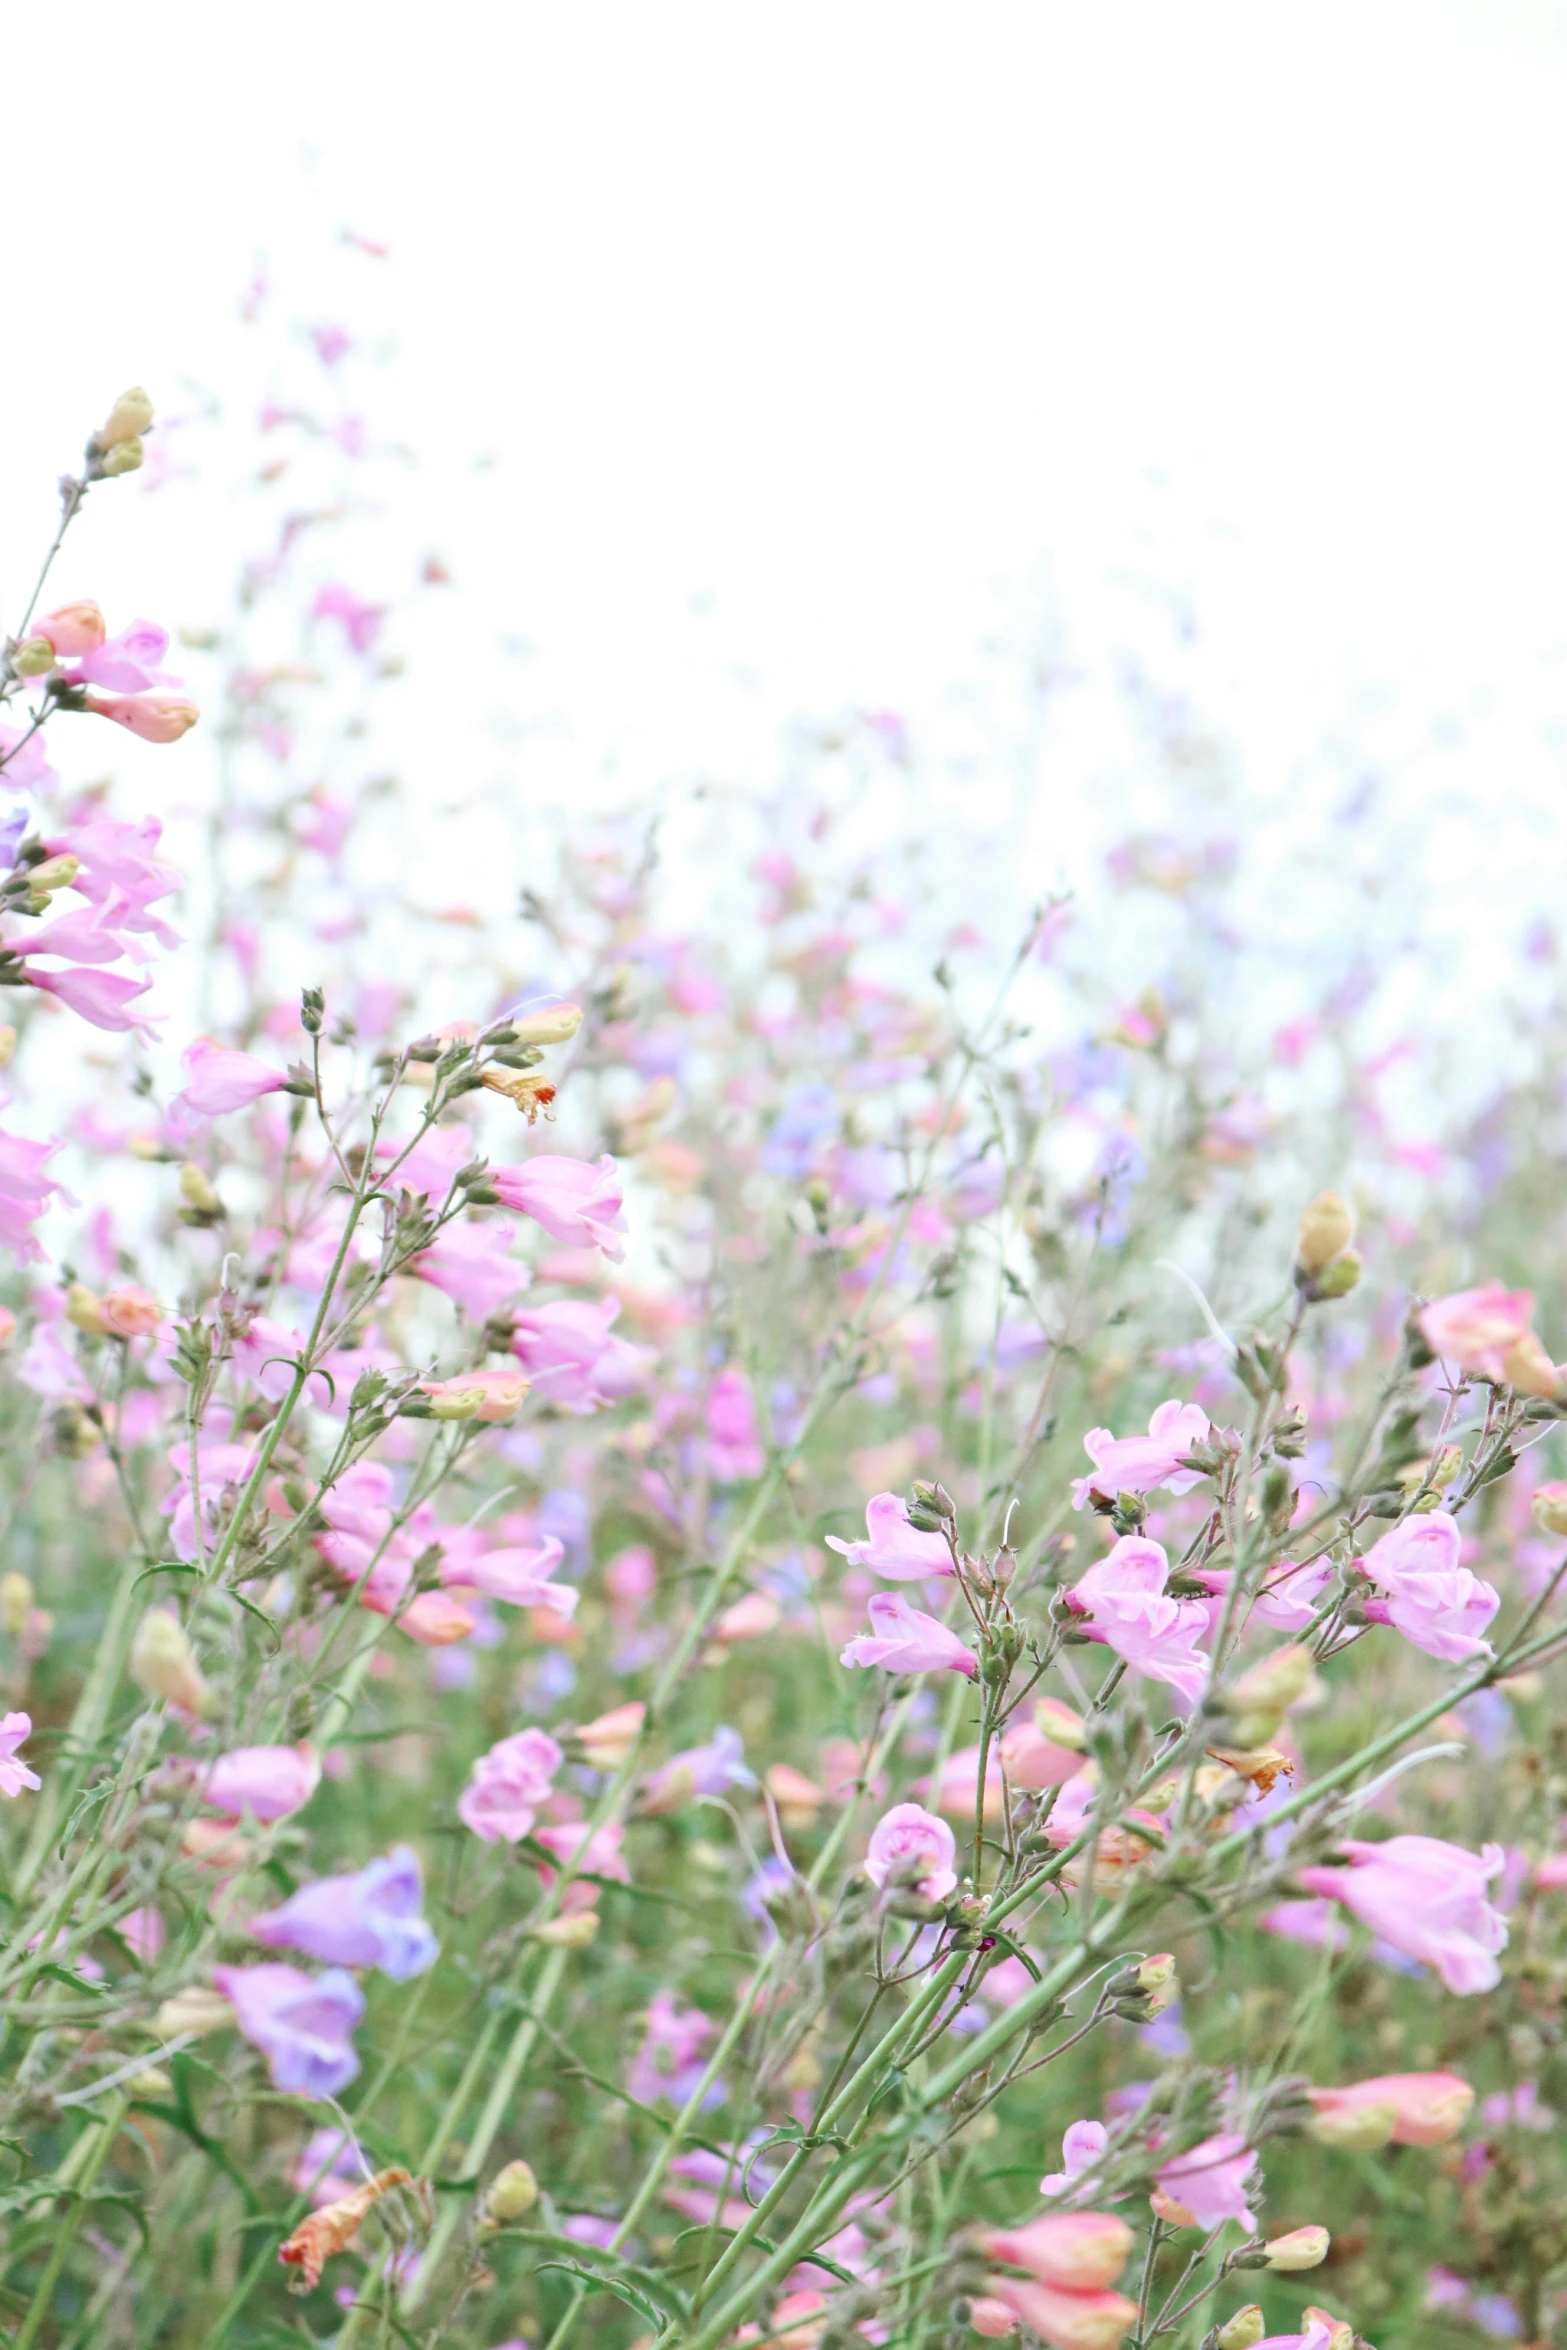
(269,1782)
(906,1641)
(1487,1331)
(895,1548)
(592,1852)
(1136,1464)
(73,630)
(361,621)
(156,718)
(569,1355)
(517,1575)
(1095,2320)
(1124,1602)
(1081,2148)
(732,1448)
(24,763)
(473,1265)
(667,2063)
(127,663)
(217,1080)
(508,1784)
(1437,1604)
(910,1845)
(1208,2184)
(14,1775)
(117,863)
(99,997)
(577,1204)
(142,1932)
(25,1192)
(477,1395)
(1427,2108)
(1427,1898)
(1078,2250)
(710,1769)
(1288,1599)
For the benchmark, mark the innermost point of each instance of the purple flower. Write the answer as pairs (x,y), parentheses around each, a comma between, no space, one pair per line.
(301,2023)
(368,1919)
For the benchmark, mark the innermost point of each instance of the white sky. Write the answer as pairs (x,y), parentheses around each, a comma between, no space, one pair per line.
(813,344)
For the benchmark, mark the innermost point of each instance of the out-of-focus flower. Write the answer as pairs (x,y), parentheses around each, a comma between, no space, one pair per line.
(156,718)
(895,1549)
(1486,1331)
(269,1782)
(503,1795)
(1124,1604)
(1208,2184)
(1081,2148)
(1138,1464)
(905,1640)
(217,1079)
(1033,1758)
(577,1203)
(1549,1506)
(1401,2109)
(163,1662)
(476,1395)
(732,1447)
(555,1024)
(711,1769)
(1078,2249)
(517,1575)
(371,1918)
(1427,1899)
(129,1312)
(909,1845)
(608,1740)
(25,1192)
(570,1356)
(472,1264)
(102,998)
(301,2023)
(668,2062)
(73,630)
(14,1775)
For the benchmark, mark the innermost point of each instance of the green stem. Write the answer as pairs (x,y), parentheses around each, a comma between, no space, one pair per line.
(108,2130)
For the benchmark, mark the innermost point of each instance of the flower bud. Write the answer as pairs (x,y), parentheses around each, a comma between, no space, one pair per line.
(1301,2248)
(16,1601)
(1242,2331)
(74,629)
(1259,1700)
(130,416)
(607,1741)
(151,2081)
(126,457)
(54,873)
(154,718)
(556,1025)
(163,1662)
(84,1311)
(1060,1724)
(567,1933)
(1326,1228)
(446,1402)
(7,1046)
(1359,2128)
(130,1312)
(35,656)
(1550,1507)
(513,2191)
(197,1192)
(1339,1278)
(1341,2335)
(1529,1368)
(198,2009)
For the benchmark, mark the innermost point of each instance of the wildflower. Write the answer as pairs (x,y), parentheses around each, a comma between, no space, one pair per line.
(1124,1603)
(503,1795)
(910,1845)
(1138,1464)
(163,1662)
(217,1080)
(1288,1599)
(14,1775)
(700,1770)
(556,1024)
(269,1782)
(895,1549)
(568,1353)
(472,1264)
(476,1395)
(732,1448)
(73,630)
(668,2062)
(371,1918)
(517,1575)
(1421,2109)
(590,1852)
(1034,1760)
(609,1739)
(1077,2249)
(335,2225)
(156,718)
(577,1204)
(130,1313)
(1486,1331)
(25,1192)
(99,997)
(1426,1898)
(1437,1604)
(1301,2248)
(1081,2148)
(1206,2185)
(301,2023)
(905,1640)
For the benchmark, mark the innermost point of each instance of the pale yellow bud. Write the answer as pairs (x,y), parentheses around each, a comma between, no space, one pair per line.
(1243,2330)
(1529,1368)
(513,2191)
(1327,1226)
(1301,2248)
(1358,2128)
(130,416)
(163,1662)
(153,2081)
(465,1403)
(196,1191)
(84,1310)
(16,1601)
(35,656)
(7,1046)
(557,1025)
(608,1740)
(568,1933)
(54,873)
(196,2009)
(1060,1724)
(126,457)
(1550,1507)
(1339,1278)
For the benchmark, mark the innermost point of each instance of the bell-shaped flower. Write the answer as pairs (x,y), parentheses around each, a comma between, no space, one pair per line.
(1437,1604)
(301,2023)
(217,1079)
(1138,1464)
(14,1775)
(570,1355)
(1208,2184)
(894,1548)
(577,1203)
(904,1639)
(1421,2109)
(1427,1898)
(1081,2148)
(1123,1603)
(910,1846)
(502,1798)
(269,1782)
(371,1918)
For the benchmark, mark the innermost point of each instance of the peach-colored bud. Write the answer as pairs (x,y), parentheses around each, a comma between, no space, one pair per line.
(16,1601)
(1356,2128)
(84,1311)
(1428,2108)
(163,1662)
(749,1618)
(155,718)
(1301,2248)
(1327,1226)
(567,1933)
(73,630)
(1550,1874)
(993,2318)
(1079,2249)
(1550,1507)
(1094,2320)
(216,1844)
(130,1312)
(436,1619)
(127,420)
(1529,1369)
(798,1798)
(197,2009)
(477,1395)
(607,1741)
(557,1025)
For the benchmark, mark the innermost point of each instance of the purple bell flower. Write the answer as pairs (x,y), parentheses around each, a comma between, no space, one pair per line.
(368,1919)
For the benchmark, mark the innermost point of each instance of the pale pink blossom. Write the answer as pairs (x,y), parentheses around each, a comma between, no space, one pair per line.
(1081,2148)
(156,718)
(1427,1898)
(481,1395)
(1094,2320)
(1078,2250)
(909,1845)
(515,1574)
(128,663)
(73,630)
(129,1312)
(905,1640)
(1427,2108)
(732,1447)
(1289,1596)
(577,1203)
(269,1782)
(507,1786)
(14,1775)
(473,1265)
(570,1355)
(1478,1328)
(895,1548)
(25,1192)
(1437,1604)
(1137,1464)
(1209,2183)
(1123,1602)
(217,1080)
(101,998)
(591,1852)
